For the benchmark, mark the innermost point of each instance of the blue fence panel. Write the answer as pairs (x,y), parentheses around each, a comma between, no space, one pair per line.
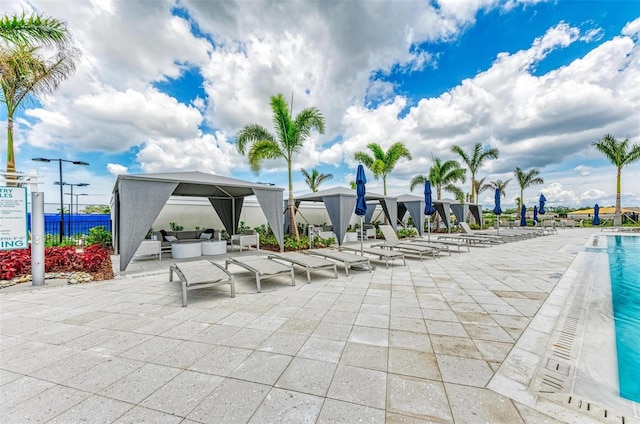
(78,224)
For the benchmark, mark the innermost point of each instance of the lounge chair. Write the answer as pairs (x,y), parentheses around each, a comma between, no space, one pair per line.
(262,267)
(348,259)
(392,242)
(382,254)
(468,231)
(199,275)
(441,242)
(306,261)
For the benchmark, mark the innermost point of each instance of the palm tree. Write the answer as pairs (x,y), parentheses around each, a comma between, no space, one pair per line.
(526,179)
(382,163)
(24,72)
(290,136)
(497,184)
(479,156)
(620,154)
(443,176)
(33,29)
(314,179)
(479,186)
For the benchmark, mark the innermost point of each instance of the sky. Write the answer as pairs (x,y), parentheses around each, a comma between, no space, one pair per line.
(165,86)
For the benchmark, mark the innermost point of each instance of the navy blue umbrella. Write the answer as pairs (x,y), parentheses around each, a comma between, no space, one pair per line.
(361,203)
(541,210)
(535,215)
(496,208)
(596,215)
(428,206)
(523,216)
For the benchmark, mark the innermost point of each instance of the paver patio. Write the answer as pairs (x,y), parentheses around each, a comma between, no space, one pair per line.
(408,344)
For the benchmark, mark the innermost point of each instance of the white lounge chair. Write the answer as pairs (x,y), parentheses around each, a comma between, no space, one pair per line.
(382,254)
(348,259)
(439,242)
(199,275)
(306,261)
(262,267)
(392,242)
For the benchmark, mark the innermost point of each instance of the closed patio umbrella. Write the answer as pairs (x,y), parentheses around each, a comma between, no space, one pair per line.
(543,200)
(535,215)
(523,216)
(496,208)
(428,206)
(596,215)
(361,203)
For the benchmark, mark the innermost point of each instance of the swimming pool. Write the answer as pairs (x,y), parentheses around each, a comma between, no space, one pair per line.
(624,266)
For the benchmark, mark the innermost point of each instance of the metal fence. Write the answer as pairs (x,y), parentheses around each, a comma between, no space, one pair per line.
(74,224)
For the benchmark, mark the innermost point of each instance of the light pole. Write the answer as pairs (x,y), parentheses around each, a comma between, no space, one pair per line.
(75,162)
(77,203)
(71,198)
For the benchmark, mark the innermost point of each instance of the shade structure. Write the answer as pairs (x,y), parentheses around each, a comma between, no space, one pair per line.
(523,216)
(496,209)
(340,203)
(428,206)
(361,202)
(415,206)
(543,200)
(361,191)
(596,215)
(138,199)
(496,197)
(535,214)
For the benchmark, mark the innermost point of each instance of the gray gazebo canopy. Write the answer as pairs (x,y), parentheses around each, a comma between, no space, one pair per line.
(138,199)
(415,206)
(340,203)
(444,207)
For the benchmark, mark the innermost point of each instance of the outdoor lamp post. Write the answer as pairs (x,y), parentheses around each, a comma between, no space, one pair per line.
(77,202)
(75,162)
(71,199)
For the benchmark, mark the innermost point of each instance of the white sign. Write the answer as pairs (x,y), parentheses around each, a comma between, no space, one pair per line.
(13,218)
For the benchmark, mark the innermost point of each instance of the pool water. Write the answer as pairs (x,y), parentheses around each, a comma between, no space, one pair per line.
(624,265)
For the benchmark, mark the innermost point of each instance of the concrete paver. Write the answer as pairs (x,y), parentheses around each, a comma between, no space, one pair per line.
(415,343)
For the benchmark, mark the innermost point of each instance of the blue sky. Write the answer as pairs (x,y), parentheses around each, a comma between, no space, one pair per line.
(165,86)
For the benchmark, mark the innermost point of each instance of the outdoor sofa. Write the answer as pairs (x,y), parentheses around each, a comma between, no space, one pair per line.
(167,237)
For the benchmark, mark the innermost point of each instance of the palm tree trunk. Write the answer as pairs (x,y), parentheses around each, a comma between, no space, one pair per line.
(617,218)
(293,226)
(384,184)
(520,203)
(11,159)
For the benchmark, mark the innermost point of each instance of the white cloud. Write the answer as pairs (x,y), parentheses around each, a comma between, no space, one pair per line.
(116,169)
(583,170)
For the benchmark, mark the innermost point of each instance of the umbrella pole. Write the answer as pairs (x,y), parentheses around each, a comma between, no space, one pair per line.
(498,227)
(429,228)
(361,237)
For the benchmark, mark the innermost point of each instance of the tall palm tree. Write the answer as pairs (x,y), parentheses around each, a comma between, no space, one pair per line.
(382,163)
(497,184)
(474,161)
(443,176)
(526,179)
(33,29)
(619,154)
(290,136)
(479,186)
(314,179)
(24,73)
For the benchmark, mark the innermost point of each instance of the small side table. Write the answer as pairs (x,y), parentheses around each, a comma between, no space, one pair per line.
(213,247)
(185,250)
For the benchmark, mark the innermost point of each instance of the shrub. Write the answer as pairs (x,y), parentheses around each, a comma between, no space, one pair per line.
(99,235)
(175,227)
(407,232)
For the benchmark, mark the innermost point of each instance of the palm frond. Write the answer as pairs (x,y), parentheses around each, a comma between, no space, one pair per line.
(263,149)
(250,134)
